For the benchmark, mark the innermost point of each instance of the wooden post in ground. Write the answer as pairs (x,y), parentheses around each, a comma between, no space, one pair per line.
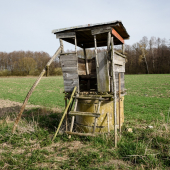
(32,89)
(114,90)
(67,112)
(47,71)
(119,102)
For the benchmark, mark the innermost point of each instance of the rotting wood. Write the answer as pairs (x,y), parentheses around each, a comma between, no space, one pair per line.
(80,134)
(33,87)
(114,90)
(66,35)
(65,112)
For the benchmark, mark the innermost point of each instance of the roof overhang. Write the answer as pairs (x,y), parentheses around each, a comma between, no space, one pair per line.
(84,36)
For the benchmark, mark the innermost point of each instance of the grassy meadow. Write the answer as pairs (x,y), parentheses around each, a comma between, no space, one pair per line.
(147,103)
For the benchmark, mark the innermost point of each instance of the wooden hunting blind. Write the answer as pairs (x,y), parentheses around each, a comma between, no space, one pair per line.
(99,79)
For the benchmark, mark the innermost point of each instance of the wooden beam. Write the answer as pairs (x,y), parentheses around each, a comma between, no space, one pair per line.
(123,48)
(100,30)
(66,35)
(95,44)
(114,90)
(119,102)
(87,66)
(117,36)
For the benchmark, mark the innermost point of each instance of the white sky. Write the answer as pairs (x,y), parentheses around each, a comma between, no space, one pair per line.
(27,24)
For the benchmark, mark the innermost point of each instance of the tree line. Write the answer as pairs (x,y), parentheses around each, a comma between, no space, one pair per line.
(23,63)
(146,56)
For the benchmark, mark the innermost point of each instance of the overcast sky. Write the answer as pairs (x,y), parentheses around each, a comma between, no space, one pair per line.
(27,24)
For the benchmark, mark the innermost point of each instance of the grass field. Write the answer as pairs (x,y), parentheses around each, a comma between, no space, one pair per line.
(147,103)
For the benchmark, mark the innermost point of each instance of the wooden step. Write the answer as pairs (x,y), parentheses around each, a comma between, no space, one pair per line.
(89,98)
(90,114)
(80,134)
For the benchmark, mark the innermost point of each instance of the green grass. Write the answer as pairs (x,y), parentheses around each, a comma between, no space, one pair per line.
(49,91)
(147,103)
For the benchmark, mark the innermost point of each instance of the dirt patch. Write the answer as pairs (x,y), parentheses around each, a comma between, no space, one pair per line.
(7,106)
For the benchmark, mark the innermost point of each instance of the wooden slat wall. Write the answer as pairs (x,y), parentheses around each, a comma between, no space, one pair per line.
(119,63)
(81,66)
(117,81)
(70,72)
(103,81)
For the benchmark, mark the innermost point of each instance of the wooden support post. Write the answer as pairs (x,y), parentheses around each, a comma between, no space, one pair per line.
(61,45)
(73,117)
(114,90)
(108,44)
(108,123)
(95,44)
(119,102)
(123,49)
(85,56)
(75,41)
(33,87)
(65,112)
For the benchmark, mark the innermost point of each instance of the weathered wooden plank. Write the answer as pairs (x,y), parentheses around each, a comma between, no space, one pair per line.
(71,82)
(86,61)
(66,35)
(118,57)
(95,44)
(119,68)
(68,57)
(92,66)
(67,53)
(70,75)
(103,80)
(100,30)
(68,63)
(69,69)
(117,62)
(120,54)
(81,67)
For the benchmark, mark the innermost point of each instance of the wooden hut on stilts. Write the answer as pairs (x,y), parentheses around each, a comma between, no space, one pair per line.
(99,97)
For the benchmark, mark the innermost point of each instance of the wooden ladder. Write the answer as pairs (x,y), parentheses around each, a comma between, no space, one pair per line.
(79,113)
